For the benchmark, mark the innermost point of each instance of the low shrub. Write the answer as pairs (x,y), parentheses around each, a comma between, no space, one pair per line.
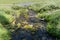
(4,33)
(5,18)
(53,25)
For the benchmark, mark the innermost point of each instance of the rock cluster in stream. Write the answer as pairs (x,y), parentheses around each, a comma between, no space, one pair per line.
(27,34)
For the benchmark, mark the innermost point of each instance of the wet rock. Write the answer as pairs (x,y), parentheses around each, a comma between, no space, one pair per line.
(31,13)
(22,17)
(33,20)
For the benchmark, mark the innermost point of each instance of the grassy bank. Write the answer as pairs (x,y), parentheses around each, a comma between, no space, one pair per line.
(24,1)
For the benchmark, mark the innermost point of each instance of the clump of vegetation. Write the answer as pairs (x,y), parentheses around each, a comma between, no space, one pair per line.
(14,7)
(5,18)
(53,27)
(4,33)
(43,8)
(51,15)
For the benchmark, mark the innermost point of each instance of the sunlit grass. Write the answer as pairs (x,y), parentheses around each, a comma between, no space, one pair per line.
(24,1)
(5,18)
